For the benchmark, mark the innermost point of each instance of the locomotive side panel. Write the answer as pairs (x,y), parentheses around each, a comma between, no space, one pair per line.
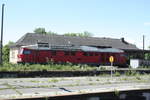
(90,58)
(42,56)
(76,57)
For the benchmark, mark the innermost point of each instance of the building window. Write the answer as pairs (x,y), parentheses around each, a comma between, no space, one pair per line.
(46,45)
(12,54)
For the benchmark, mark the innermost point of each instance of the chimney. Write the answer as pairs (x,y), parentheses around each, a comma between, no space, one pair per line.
(123,40)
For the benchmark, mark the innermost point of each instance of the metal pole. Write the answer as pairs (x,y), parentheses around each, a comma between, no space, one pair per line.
(111,68)
(143,46)
(2,21)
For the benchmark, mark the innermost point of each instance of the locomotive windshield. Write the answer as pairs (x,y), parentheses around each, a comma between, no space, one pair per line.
(26,52)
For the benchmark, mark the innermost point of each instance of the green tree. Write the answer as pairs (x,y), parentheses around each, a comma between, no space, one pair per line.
(40,30)
(87,34)
(71,34)
(147,55)
(6,50)
(50,32)
(84,34)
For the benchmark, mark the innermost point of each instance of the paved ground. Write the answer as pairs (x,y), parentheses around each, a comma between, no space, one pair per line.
(50,87)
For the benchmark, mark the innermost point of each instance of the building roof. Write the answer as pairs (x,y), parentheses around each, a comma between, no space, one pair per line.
(34,38)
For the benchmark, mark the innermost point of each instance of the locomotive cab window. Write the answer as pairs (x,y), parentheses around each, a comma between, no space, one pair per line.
(26,52)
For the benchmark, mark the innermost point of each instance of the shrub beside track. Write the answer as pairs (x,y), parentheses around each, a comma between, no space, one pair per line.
(67,70)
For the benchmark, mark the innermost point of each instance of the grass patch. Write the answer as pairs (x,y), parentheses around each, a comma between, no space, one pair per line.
(117,74)
(46,67)
(53,80)
(34,81)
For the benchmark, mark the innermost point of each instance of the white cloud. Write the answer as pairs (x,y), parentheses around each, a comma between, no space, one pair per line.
(147,23)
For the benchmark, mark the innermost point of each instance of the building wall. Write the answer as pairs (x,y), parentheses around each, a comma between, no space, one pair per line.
(13,55)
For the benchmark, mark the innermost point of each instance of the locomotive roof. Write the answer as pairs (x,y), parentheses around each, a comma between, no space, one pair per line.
(33,38)
(94,49)
(74,48)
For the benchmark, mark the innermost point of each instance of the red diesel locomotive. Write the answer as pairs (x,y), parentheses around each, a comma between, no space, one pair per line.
(73,54)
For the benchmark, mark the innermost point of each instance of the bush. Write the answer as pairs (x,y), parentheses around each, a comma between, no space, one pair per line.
(117,74)
(47,67)
(131,73)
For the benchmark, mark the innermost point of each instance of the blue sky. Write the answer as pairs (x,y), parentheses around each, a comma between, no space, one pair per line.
(103,18)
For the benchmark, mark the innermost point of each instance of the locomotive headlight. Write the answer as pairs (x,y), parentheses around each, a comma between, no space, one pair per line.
(19,59)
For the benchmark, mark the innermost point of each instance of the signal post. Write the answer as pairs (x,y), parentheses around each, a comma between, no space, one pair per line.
(111,60)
